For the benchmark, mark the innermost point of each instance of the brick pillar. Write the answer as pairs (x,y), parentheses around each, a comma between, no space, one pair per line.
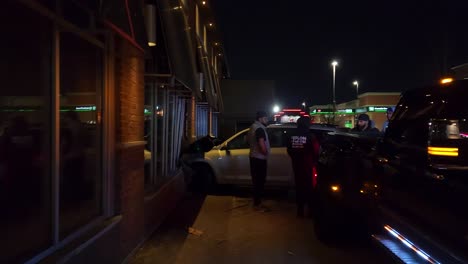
(129,83)
(192,118)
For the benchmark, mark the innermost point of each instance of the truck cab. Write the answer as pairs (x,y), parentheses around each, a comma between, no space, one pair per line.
(409,186)
(421,164)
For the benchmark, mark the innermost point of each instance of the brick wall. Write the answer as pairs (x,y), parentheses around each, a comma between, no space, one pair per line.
(129,82)
(380,100)
(130,92)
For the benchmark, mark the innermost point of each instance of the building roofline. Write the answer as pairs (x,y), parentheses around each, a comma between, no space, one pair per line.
(379,93)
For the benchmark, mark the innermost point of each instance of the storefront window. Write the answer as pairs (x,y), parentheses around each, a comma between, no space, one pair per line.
(25,133)
(161,133)
(202,119)
(164,129)
(176,108)
(214,124)
(81,67)
(149,133)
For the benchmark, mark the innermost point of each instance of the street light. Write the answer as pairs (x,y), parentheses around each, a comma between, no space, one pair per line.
(356,83)
(276,109)
(334,64)
(303,104)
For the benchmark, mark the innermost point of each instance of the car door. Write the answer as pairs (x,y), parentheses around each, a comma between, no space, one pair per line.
(402,169)
(279,170)
(419,180)
(233,160)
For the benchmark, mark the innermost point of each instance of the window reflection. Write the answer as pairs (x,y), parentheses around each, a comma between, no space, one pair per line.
(160,132)
(25,121)
(148,132)
(80,136)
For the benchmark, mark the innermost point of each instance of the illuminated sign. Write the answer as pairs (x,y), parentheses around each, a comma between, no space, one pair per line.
(348,124)
(377,108)
(291,110)
(85,108)
(18,110)
(321,111)
(361,110)
(289,119)
(346,111)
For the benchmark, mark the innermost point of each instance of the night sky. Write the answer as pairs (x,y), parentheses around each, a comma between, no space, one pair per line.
(385,45)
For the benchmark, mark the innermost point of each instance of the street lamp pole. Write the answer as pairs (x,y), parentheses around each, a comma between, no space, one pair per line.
(356,83)
(334,64)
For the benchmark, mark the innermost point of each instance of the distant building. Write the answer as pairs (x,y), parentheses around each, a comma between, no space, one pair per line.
(242,99)
(373,104)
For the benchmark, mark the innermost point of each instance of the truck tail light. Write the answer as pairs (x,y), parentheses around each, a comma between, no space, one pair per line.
(442,151)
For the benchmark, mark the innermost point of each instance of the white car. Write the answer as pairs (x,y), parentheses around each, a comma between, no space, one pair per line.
(228,163)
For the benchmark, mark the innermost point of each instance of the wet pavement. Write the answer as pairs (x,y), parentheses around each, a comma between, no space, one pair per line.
(226,229)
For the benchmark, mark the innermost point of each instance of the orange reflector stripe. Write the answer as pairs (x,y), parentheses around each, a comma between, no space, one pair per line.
(441,151)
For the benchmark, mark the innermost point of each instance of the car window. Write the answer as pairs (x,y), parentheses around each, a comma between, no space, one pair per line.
(412,132)
(445,130)
(278,137)
(239,142)
(319,134)
(453,134)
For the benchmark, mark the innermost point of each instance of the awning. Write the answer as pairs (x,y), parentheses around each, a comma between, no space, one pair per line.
(179,44)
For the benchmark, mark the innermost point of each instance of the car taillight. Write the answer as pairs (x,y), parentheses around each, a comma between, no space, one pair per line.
(442,151)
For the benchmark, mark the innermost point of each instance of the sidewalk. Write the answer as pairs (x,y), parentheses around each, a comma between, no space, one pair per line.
(227,229)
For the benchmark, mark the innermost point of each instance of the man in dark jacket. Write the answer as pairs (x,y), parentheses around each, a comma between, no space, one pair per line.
(364,124)
(303,149)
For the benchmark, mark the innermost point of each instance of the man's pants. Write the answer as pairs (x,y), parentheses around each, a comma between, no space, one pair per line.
(258,171)
(303,180)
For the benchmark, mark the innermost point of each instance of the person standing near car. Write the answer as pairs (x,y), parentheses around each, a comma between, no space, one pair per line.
(303,148)
(259,151)
(364,124)
(389,115)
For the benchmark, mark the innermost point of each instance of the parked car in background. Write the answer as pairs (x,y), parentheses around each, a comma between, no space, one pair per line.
(228,162)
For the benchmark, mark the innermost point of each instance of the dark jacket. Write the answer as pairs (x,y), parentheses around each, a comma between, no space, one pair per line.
(369,128)
(303,147)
